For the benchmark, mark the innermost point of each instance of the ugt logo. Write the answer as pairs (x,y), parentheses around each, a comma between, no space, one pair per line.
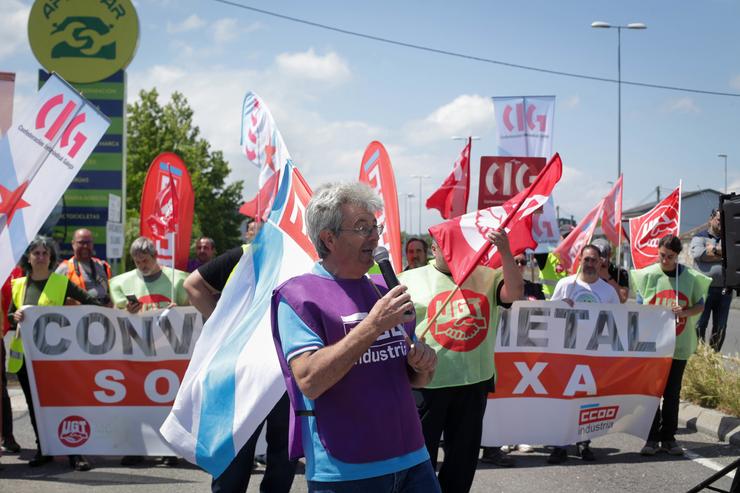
(83,37)
(525,115)
(56,125)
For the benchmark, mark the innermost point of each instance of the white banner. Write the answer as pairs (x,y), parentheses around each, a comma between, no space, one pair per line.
(39,157)
(524,126)
(103,380)
(572,374)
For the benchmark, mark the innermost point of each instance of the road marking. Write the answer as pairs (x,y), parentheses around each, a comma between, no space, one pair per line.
(715,466)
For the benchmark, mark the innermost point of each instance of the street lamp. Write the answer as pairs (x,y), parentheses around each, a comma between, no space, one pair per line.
(724,156)
(606,25)
(420,177)
(408,213)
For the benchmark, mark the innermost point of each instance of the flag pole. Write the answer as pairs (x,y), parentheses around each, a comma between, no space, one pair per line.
(484,249)
(619,232)
(678,231)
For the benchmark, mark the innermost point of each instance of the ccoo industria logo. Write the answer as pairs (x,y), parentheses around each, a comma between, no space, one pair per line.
(594,417)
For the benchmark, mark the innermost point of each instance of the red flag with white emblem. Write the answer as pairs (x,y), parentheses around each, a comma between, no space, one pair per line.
(451,199)
(611,219)
(569,250)
(463,239)
(647,230)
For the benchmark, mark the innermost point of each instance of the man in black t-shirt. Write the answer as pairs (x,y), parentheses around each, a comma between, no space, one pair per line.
(204,286)
(617,277)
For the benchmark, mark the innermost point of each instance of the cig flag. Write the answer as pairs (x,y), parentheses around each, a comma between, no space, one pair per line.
(263,146)
(463,239)
(647,230)
(234,377)
(524,127)
(451,199)
(39,157)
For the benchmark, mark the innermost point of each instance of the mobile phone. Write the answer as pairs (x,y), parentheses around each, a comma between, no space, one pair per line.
(132,298)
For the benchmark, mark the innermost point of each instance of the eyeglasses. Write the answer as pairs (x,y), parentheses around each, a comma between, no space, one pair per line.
(365,231)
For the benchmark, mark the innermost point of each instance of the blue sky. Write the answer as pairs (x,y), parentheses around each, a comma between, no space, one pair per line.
(332,94)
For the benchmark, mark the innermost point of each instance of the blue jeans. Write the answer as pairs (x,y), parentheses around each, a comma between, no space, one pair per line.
(718,305)
(417,479)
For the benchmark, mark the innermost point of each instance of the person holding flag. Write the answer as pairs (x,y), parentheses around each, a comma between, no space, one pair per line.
(463,335)
(586,286)
(346,349)
(683,290)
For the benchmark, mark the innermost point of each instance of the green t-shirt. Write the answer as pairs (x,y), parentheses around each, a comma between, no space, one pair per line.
(152,293)
(656,288)
(464,334)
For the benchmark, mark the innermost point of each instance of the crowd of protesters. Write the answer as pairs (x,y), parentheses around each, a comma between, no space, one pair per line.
(436,394)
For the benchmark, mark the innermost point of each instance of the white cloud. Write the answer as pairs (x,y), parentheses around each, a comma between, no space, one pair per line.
(468,114)
(224,30)
(13,25)
(329,68)
(683,105)
(192,23)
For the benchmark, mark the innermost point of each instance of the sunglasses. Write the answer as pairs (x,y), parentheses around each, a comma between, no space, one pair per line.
(521,262)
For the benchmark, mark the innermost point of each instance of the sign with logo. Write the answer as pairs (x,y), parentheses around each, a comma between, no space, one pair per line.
(463,324)
(83,40)
(502,177)
(568,374)
(121,373)
(86,200)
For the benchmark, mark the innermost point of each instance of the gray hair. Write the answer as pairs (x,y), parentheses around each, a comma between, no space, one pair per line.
(144,245)
(324,209)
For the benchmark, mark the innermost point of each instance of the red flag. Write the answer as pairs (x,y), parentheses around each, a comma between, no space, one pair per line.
(569,250)
(259,207)
(451,199)
(611,220)
(463,239)
(163,219)
(647,230)
(376,170)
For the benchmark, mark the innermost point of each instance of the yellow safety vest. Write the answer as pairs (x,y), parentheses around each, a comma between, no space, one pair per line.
(52,295)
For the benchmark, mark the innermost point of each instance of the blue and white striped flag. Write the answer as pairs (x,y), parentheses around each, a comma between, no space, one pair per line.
(234,378)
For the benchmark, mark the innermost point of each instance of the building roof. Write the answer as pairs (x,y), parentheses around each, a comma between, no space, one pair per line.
(642,209)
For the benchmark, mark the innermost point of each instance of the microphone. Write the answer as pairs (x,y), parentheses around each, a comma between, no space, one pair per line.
(380,255)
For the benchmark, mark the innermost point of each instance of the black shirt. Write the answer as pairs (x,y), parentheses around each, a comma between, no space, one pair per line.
(217,271)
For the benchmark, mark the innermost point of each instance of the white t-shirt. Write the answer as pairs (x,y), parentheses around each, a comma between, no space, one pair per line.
(573,288)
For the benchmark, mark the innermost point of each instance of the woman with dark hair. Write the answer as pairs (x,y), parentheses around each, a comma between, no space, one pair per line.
(41,286)
(673,285)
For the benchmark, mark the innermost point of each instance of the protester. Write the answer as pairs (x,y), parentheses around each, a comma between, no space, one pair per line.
(203,287)
(706,250)
(454,401)
(7,439)
(617,277)
(85,271)
(585,287)
(337,331)
(417,253)
(671,284)
(41,286)
(148,287)
(497,455)
(205,250)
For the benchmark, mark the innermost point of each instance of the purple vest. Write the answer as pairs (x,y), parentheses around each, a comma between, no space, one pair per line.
(370,414)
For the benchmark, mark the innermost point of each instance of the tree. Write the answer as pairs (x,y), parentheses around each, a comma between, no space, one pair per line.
(153,129)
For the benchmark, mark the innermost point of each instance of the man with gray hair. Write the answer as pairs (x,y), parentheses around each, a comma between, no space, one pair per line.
(349,357)
(149,286)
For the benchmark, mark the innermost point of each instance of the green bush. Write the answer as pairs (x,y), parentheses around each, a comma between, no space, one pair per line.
(712,382)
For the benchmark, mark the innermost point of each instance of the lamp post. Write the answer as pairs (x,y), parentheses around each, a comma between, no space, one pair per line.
(420,177)
(606,25)
(724,156)
(408,213)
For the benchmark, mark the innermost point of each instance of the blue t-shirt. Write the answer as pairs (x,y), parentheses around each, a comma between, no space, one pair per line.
(297,338)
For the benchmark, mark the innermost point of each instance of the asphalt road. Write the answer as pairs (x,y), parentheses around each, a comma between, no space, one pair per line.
(619,469)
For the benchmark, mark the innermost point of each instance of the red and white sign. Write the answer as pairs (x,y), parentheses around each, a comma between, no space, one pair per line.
(568,374)
(463,239)
(376,170)
(104,380)
(502,177)
(163,212)
(647,230)
(463,324)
